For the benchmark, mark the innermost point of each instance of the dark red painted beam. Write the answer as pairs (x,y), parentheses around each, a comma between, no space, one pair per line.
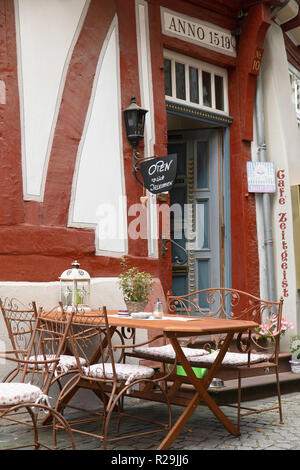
(11,188)
(242,85)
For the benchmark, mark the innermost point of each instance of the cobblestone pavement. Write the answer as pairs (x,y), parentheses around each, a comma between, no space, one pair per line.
(202,432)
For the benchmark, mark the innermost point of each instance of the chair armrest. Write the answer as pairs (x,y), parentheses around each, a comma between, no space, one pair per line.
(14,351)
(25,361)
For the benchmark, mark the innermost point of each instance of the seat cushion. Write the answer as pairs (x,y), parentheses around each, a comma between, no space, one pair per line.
(65,363)
(232,358)
(12,393)
(127,372)
(167,352)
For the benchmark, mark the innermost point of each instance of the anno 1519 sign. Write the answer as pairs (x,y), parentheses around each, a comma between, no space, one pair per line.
(198,31)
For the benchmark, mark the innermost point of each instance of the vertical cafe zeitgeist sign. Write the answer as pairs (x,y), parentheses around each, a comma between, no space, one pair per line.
(159,173)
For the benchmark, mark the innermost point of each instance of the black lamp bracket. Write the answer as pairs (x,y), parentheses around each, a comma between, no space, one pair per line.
(136,161)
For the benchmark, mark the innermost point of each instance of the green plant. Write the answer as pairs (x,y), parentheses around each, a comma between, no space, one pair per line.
(295,346)
(136,285)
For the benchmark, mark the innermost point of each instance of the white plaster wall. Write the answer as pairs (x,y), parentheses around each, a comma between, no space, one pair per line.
(98,194)
(104,291)
(277,86)
(46,34)
(282,145)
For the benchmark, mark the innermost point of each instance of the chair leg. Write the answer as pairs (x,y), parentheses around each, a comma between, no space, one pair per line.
(119,397)
(279,396)
(239,401)
(33,416)
(120,409)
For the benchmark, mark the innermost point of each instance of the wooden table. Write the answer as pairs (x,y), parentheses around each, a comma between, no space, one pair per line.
(179,329)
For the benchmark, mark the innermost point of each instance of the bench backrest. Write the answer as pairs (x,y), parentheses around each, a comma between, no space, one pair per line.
(222,302)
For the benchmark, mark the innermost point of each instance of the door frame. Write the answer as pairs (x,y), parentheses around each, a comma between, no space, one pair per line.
(223,123)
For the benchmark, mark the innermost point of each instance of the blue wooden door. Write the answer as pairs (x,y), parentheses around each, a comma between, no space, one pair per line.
(196,210)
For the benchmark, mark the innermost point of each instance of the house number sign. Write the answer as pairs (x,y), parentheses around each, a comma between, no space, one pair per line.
(159,173)
(197,31)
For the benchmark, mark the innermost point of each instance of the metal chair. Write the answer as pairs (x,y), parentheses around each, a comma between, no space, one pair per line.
(22,402)
(251,354)
(19,320)
(108,376)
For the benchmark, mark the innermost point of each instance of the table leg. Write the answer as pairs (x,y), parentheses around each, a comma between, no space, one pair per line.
(201,386)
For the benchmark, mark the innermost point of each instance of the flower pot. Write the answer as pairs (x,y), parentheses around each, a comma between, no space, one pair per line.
(135,306)
(295,366)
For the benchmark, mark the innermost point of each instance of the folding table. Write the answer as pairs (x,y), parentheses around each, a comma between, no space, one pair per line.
(174,328)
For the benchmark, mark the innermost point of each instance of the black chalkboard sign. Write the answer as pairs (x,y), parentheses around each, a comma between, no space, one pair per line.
(159,173)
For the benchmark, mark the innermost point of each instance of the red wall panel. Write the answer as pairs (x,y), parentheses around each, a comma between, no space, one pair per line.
(35,242)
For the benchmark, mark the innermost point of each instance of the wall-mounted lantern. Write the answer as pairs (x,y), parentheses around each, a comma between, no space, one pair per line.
(75,287)
(158,173)
(134,117)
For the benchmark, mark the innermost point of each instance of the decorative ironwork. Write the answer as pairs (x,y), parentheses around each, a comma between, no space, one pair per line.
(128,333)
(19,320)
(231,304)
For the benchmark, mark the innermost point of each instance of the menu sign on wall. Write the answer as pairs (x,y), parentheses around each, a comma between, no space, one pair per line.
(159,173)
(197,31)
(261,177)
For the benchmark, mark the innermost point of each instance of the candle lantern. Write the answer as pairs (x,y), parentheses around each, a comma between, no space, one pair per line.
(75,286)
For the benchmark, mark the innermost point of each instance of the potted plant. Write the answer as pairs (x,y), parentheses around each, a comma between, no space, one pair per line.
(295,350)
(136,286)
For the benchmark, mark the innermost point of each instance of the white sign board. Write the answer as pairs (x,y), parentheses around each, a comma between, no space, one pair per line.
(261,177)
(197,31)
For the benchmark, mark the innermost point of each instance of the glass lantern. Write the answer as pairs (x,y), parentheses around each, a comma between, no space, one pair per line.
(75,287)
(134,117)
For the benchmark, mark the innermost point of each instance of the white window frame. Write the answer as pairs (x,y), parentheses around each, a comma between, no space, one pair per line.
(202,67)
(294,76)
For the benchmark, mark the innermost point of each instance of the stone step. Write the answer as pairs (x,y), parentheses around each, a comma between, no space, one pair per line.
(258,387)
(284,366)
(253,388)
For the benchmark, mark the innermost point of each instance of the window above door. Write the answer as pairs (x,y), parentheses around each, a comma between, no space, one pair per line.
(195,83)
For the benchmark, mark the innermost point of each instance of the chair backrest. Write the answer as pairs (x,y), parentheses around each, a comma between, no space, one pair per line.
(230,304)
(90,337)
(19,320)
(48,341)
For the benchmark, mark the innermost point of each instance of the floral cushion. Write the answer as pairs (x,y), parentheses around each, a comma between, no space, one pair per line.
(69,362)
(65,363)
(15,393)
(232,359)
(167,352)
(127,372)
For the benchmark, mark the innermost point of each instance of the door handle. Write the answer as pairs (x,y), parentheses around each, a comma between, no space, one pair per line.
(164,249)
